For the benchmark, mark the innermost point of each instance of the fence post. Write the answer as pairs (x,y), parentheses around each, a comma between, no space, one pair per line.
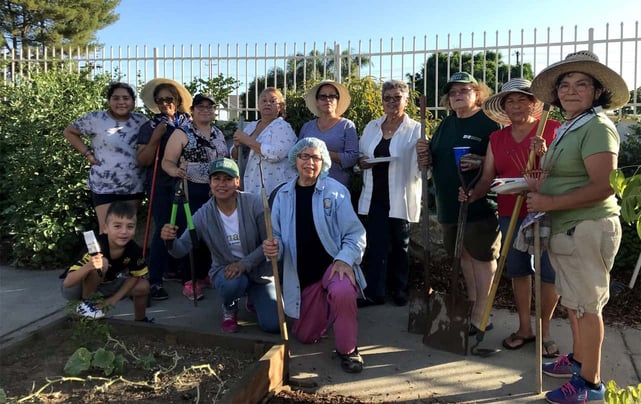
(337,63)
(591,39)
(156,61)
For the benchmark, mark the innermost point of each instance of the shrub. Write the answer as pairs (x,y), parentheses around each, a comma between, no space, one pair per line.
(46,201)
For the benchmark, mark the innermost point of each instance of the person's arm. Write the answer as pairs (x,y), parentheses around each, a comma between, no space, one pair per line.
(95,262)
(257,212)
(482,187)
(352,243)
(74,137)
(598,167)
(349,156)
(146,153)
(173,151)
(181,246)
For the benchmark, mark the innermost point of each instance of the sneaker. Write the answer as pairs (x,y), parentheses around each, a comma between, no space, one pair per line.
(89,310)
(188,291)
(148,320)
(249,306)
(563,367)
(157,292)
(230,321)
(204,283)
(352,362)
(576,391)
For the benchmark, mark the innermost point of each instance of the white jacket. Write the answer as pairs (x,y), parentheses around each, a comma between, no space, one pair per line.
(404,175)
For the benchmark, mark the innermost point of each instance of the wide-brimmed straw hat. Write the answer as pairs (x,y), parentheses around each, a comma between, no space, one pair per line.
(586,62)
(493,106)
(343,97)
(147,95)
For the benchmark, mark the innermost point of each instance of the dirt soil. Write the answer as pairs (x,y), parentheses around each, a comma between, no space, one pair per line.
(26,370)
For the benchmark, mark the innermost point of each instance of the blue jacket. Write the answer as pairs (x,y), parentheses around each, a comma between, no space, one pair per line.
(339,230)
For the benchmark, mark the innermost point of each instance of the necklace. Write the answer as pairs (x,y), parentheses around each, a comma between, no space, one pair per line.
(390,126)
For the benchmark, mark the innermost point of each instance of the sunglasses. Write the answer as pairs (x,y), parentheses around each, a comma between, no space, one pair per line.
(396,98)
(163,100)
(327,97)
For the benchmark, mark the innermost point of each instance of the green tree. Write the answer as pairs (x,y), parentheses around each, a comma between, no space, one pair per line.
(54,23)
(496,71)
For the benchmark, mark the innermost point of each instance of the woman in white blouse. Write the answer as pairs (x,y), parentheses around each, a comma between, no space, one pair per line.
(269,139)
(391,196)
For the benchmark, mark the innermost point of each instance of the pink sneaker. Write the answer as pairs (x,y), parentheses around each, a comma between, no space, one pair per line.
(249,306)
(204,283)
(188,291)
(230,322)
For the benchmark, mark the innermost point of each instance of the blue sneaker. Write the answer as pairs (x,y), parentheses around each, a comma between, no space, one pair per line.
(564,367)
(576,391)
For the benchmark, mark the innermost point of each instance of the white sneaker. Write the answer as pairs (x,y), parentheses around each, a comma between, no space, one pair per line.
(89,310)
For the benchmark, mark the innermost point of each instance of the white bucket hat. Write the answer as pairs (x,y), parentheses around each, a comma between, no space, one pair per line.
(493,106)
(585,62)
(343,97)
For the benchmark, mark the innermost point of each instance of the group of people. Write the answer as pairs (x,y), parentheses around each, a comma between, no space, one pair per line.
(318,236)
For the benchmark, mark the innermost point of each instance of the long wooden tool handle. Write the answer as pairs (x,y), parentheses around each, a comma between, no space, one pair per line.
(505,248)
(425,202)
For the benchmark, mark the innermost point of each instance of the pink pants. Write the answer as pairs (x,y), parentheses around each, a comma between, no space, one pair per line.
(323,303)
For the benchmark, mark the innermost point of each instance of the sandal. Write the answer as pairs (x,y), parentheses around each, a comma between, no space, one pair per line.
(519,340)
(550,350)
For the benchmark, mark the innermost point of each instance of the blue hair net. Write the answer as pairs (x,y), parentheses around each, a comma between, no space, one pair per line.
(313,143)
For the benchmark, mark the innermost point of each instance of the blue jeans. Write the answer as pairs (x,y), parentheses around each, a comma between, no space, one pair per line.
(388,242)
(262,295)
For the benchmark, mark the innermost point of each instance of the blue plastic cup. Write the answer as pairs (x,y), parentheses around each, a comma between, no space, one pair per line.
(459,152)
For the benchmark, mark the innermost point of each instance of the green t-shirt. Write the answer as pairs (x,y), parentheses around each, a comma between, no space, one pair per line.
(569,173)
(456,132)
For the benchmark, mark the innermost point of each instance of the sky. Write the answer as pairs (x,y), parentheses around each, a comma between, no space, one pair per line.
(162,22)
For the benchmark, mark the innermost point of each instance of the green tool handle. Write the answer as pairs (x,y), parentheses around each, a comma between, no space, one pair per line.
(172,221)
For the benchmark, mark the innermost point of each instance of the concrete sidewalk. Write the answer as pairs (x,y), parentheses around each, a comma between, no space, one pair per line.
(398,367)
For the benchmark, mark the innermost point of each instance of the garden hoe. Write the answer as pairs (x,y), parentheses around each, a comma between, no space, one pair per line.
(274,262)
(484,352)
(448,320)
(419,299)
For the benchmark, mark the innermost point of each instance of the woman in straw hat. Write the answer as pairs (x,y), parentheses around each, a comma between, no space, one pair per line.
(169,101)
(506,156)
(328,100)
(583,210)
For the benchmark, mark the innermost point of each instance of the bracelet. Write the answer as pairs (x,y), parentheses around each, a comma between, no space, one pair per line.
(87,151)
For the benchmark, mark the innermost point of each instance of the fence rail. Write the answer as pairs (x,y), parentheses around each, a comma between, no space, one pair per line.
(499,55)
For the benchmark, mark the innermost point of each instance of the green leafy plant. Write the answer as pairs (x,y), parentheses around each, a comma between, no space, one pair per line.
(629,191)
(616,395)
(83,360)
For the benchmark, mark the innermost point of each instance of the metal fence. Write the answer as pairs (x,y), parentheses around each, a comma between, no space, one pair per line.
(292,67)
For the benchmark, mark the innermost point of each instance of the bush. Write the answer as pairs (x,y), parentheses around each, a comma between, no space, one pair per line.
(46,201)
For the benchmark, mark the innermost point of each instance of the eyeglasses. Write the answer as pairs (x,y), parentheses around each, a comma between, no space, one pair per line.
(203,107)
(163,100)
(395,98)
(305,157)
(327,97)
(461,91)
(579,87)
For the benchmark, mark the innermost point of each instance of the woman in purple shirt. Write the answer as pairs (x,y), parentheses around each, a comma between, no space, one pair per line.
(328,100)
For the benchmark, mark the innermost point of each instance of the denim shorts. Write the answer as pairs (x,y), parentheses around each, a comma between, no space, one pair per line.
(107,289)
(519,263)
(103,199)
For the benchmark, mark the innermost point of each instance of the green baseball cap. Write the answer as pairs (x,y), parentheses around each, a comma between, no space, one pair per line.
(224,165)
(459,77)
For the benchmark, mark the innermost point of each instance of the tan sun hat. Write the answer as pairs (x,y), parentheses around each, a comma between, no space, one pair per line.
(147,95)
(586,62)
(343,97)
(493,106)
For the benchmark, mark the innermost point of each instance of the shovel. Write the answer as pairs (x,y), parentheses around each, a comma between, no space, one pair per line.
(448,320)
(418,301)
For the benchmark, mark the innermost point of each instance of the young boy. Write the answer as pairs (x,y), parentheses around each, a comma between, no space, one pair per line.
(116,272)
